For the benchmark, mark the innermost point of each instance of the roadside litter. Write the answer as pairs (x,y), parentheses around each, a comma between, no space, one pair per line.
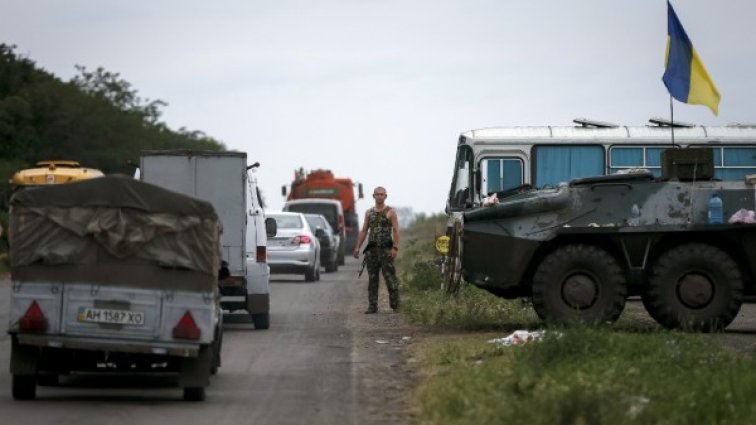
(519,337)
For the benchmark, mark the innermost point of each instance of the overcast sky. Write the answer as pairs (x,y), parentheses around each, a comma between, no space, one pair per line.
(379,91)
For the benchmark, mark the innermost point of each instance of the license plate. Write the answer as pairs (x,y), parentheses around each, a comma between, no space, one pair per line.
(106,315)
(281,242)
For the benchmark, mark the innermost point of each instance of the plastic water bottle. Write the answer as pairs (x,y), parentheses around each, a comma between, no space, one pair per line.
(715,209)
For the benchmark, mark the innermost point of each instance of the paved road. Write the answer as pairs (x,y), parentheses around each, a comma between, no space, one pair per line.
(308,368)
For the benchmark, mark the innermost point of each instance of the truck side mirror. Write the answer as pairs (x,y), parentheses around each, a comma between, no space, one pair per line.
(283,190)
(359,190)
(271,228)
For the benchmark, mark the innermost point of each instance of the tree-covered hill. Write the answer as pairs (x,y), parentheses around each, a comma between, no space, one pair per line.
(97,118)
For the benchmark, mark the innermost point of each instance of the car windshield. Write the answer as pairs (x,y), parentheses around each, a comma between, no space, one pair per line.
(288,221)
(328,211)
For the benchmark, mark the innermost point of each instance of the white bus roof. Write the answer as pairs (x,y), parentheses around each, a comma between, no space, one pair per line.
(626,134)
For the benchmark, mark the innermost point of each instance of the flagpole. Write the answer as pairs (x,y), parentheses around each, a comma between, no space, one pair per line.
(672,120)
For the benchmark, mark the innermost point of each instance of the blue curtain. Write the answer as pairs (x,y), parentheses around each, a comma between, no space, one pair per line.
(626,157)
(556,164)
(739,156)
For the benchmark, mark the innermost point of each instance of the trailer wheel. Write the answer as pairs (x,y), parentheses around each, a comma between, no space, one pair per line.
(696,287)
(194,394)
(579,284)
(24,387)
(261,320)
(48,379)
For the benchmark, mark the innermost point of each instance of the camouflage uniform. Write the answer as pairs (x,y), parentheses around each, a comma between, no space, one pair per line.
(378,258)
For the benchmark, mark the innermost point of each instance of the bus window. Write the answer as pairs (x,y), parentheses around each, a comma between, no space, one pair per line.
(501,174)
(732,163)
(653,160)
(624,157)
(556,164)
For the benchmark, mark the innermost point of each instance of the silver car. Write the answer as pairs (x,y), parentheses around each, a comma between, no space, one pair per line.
(294,249)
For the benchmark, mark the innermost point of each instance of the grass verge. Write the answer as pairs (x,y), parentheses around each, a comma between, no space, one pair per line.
(470,309)
(586,376)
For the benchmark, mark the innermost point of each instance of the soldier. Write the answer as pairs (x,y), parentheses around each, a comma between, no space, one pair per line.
(381,228)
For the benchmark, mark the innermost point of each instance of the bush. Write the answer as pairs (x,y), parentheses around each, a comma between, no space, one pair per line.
(419,263)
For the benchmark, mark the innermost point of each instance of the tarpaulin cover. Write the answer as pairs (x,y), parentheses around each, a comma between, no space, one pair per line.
(115,230)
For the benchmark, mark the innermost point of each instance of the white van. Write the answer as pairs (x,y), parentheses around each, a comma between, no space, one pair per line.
(258,272)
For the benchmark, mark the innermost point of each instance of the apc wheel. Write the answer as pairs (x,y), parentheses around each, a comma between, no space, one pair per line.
(194,394)
(694,287)
(24,387)
(261,320)
(579,284)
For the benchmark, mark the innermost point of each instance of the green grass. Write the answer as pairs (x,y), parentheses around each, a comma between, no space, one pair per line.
(587,376)
(470,309)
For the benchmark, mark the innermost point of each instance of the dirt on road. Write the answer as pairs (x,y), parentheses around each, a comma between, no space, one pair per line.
(383,352)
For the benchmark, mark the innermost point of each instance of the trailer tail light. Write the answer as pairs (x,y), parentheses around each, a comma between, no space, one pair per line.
(301,240)
(262,254)
(33,320)
(187,328)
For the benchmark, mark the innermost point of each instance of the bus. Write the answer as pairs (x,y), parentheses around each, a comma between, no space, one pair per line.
(504,160)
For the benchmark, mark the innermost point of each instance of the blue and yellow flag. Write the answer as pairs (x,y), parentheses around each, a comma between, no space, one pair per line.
(685,75)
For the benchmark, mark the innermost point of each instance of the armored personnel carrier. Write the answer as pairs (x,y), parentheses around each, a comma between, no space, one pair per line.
(581,248)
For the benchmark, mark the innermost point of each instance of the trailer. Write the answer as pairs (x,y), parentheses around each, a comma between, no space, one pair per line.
(113,275)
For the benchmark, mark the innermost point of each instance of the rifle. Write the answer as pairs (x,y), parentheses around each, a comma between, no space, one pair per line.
(368,247)
(362,268)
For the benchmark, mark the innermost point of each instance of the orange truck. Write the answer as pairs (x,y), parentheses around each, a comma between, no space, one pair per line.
(322,184)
